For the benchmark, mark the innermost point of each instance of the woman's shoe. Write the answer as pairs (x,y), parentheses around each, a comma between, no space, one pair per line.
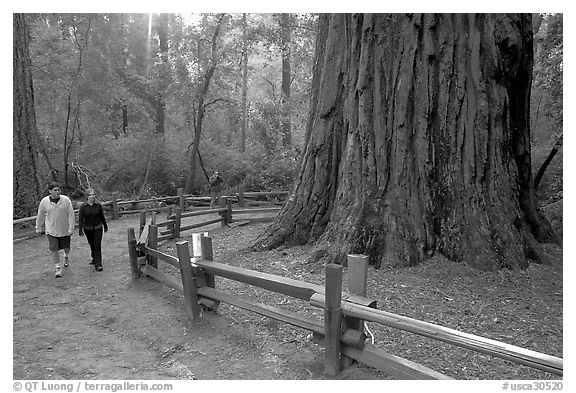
(99,268)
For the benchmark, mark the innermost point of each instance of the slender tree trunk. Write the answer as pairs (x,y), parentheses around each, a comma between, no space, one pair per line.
(419,143)
(66,127)
(162,30)
(286,42)
(201,109)
(244,119)
(124,118)
(547,161)
(81,45)
(146,176)
(26,187)
(195,147)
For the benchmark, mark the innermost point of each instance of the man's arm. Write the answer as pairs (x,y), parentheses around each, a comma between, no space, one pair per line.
(71,219)
(40,224)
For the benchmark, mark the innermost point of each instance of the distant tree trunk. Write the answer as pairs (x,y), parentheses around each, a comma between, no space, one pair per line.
(547,161)
(124,118)
(163,75)
(81,46)
(26,187)
(244,119)
(419,143)
(143,188)
(286,43)
(201,109)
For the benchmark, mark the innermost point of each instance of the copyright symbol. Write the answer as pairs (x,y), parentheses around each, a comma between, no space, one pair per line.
(17,386)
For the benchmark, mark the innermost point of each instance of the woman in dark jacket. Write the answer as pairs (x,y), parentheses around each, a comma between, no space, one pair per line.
(91,222)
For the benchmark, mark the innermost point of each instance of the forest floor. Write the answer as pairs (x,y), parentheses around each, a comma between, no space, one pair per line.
(103,325)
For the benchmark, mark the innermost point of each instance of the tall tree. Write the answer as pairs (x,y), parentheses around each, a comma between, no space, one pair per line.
(244,103)
(163,72)
(419,143)
(26,187)
(80,31)
(201,104)
(286,47)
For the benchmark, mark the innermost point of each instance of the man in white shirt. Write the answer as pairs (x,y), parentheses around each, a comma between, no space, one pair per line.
(56,219)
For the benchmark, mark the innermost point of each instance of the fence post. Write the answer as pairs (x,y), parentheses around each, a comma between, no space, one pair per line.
(154,219)
(114,207)
(228,211)
(181,199)
(333,319)
(197,244)
(170,216)
(207,254)
(177,223)
(207,279)
(357,279)
(142,222)
(190,296)
(132,254)
(241,195)
(222,204)
(153,244)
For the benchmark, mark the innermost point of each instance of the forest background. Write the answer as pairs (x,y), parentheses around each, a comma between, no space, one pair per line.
(142,104)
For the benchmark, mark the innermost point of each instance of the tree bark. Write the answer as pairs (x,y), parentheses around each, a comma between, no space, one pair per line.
(286,44)
(201,108)
(163,73)
(418,143)
(26,187)
(244,117)
(81,45)
(547,161)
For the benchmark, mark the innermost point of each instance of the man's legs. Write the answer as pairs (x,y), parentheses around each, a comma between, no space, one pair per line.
(56,260)
(66,255)
(55,254)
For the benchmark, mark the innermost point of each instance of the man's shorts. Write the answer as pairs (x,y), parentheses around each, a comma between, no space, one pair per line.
(58,243)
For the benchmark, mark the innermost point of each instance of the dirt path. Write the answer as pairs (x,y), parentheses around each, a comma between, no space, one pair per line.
(101,325)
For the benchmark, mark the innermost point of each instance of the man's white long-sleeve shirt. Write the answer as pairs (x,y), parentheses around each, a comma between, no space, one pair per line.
(56,219)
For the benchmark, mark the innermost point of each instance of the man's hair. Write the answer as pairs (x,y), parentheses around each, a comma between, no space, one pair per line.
(53,185)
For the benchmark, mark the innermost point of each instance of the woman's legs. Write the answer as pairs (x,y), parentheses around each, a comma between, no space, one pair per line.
(95,241)
(90,236)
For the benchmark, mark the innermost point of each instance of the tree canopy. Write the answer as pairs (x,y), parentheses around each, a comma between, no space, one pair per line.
(120,99)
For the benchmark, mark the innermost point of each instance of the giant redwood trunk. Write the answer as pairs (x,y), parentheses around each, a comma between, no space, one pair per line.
(418,143)
(26,188)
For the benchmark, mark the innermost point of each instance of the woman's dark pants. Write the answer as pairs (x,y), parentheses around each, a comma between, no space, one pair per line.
(94,238)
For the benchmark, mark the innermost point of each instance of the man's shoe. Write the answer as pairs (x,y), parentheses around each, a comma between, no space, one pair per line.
(65,261)
(99,268)
(58,273)
(92,262)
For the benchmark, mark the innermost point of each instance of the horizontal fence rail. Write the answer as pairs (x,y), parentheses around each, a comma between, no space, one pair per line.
(342,341)
(179,200)
(495,348)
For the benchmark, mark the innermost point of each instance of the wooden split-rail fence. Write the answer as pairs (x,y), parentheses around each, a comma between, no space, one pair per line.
(342,330)
(245,203)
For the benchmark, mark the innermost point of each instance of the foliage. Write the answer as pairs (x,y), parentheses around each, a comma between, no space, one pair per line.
(114,82)
(99,79)
(547,103)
